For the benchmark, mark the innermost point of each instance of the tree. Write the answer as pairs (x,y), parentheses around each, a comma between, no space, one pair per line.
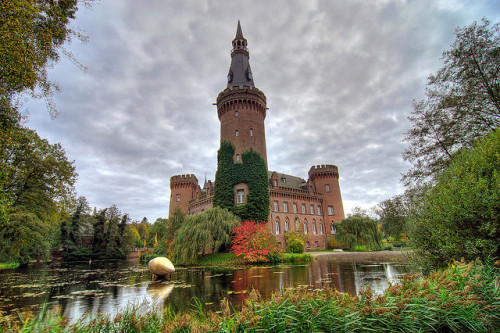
(210,230)
(460,215)
(462,102)
(359,230)
(36,189)
(74,229)
(392,213)
(32,34)
(252,242)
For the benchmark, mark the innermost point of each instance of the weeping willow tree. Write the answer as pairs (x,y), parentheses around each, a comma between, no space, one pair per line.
(359,230)
(210,230)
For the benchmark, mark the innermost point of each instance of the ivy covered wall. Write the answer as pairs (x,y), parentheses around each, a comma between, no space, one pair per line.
(251,171)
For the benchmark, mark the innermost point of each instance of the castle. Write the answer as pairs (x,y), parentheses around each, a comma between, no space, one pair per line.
(311,206)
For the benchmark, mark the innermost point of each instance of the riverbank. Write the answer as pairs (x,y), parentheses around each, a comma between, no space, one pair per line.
(351,257)
(461,298)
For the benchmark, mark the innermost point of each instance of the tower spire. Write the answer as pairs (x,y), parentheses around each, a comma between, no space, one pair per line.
(239,34)
(240,73)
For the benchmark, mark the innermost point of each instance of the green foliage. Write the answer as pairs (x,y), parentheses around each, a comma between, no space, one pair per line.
(32,34)
(392,213)
(462,102)
(109,239)
(252,171)
(295,241)
(210,230)
(361,248)
(357,230)
(460,216)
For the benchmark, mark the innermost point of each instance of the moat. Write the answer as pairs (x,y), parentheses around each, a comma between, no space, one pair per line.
(107,287)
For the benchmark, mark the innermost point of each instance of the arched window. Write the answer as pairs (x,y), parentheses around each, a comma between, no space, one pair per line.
(236,133)
(314,228)
(332,229)
(297,225)
(305,228)
(321,228)
(277,225)
(237,157)
(251,131)
(286,225)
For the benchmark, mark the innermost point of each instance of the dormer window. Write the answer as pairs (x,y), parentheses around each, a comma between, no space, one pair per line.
(230,78)
(250,76)
(283,180)
(275,182)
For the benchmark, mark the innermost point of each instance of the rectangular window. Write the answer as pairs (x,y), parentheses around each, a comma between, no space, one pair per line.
(318,210)
(330,210)
(327,188)
(276,206)
(236,133)
(312,209)
(303,208)
(285,207)
(316,243)
(240,196)
(295,208)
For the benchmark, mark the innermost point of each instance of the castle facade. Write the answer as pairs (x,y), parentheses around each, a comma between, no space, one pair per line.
(312,207)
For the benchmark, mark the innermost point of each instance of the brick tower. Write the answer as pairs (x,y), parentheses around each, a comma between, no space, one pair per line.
(241,107)
(325,179)
(182,190)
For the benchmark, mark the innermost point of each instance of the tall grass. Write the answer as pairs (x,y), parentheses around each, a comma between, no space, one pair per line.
(461,298)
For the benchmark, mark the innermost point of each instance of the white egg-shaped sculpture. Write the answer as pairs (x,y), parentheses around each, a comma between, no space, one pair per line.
(161,266)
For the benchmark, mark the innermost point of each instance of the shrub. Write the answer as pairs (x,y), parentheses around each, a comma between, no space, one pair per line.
(252,242)
(361,248)
(333,243)
(294,242)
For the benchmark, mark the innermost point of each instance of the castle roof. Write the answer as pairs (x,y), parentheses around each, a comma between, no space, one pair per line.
(240,73)
(289,181)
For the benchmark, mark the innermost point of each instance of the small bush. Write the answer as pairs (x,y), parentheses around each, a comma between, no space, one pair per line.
(400,244)
(388,248)
(333,243)
(294,242)
(361,248)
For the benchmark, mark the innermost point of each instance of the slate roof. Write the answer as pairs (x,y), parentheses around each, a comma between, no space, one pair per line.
(289,181)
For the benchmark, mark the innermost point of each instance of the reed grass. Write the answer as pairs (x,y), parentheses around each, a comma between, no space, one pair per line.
(464,297)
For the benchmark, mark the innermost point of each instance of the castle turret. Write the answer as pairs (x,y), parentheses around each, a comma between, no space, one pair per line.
(182,190)
(241,107)
(325,179)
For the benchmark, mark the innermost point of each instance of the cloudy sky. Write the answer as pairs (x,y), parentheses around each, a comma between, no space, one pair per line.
(340,77)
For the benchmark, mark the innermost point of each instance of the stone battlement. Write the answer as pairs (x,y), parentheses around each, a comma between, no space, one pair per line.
(324,169)
(184,179)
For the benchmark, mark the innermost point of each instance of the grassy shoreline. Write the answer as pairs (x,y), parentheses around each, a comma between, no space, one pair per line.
(9,265)
(464,297)
(230,259)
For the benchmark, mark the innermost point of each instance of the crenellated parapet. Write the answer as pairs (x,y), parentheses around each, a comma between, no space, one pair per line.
(323,171)
(241,97)
(187,180)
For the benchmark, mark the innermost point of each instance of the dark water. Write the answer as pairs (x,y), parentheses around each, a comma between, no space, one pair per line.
(108,287)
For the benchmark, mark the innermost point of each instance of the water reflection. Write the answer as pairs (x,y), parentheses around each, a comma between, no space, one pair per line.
(109,287)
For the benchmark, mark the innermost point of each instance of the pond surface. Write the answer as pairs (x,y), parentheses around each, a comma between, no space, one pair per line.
(108,287)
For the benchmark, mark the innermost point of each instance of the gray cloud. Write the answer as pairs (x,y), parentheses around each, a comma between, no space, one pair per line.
(339,78)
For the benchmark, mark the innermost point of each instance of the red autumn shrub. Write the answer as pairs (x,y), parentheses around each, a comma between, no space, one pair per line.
(252,242)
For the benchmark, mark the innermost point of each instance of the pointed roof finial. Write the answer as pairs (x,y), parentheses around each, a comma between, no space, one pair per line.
(239,34)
